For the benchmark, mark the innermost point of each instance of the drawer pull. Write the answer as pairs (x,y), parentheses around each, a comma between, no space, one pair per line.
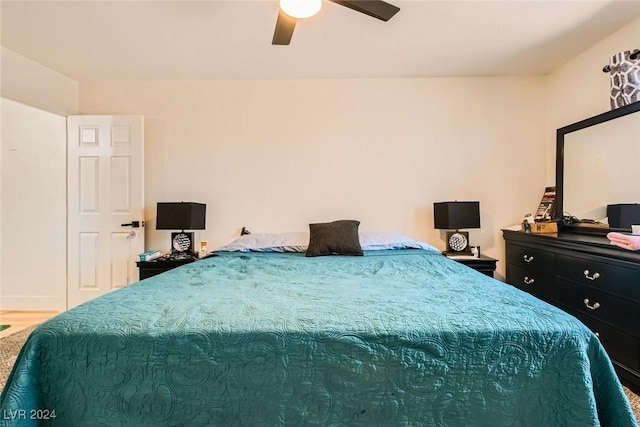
(595,306)
(528,281)
(593,276)
(527,258)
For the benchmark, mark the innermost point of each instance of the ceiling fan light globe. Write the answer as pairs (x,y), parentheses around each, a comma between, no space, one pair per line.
(300,8)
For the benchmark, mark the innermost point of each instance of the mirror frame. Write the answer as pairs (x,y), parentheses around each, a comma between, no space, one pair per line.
(560,136)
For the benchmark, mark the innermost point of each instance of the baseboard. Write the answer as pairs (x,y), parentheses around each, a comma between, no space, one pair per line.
(31,303)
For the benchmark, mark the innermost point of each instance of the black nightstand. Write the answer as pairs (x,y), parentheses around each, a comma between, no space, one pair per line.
(160,265)
(484,264)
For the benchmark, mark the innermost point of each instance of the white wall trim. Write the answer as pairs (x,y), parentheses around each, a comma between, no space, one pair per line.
(34,303)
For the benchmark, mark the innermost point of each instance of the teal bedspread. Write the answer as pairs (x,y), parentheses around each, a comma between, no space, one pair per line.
(394,338)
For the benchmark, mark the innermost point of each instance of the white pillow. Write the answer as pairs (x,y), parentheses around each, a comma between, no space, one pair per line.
(372,241)
(298,241)
(269,242)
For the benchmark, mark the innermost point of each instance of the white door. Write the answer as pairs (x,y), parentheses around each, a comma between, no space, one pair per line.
(105,198)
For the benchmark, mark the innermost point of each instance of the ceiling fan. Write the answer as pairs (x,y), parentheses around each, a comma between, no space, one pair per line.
(291,10)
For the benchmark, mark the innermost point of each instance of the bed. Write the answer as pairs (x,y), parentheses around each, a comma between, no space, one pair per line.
(397,337)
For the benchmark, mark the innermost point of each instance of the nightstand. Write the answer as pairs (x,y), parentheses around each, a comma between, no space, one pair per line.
(484,264)
(160,265)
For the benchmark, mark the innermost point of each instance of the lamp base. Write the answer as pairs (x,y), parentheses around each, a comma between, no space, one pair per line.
(458,243)
(182,242)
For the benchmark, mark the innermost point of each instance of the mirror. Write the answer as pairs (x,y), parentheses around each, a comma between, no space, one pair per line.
(598,164)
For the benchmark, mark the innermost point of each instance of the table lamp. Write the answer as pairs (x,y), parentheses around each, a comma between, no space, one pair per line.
(454,216)
(181,216)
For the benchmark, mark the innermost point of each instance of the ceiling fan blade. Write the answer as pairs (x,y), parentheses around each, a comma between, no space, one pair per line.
(284,29)
(376,8)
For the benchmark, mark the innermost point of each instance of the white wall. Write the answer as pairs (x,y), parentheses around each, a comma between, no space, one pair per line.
(277,155)
(33,212)
(579,89)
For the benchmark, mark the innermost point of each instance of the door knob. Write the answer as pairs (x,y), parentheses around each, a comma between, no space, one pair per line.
(133,224)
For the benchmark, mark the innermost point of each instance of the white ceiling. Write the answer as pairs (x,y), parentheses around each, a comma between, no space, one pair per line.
(232,39)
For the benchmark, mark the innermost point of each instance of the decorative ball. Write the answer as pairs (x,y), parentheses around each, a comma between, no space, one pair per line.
(458,242)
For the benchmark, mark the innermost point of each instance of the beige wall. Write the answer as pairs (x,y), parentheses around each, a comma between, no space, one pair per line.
(277,155)
(579,89)
(26,81)
(33,144)
(33,215)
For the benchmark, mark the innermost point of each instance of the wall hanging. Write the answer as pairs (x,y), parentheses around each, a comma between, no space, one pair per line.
(624,71)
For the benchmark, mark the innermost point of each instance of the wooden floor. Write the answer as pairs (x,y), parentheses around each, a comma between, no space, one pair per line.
(22,319)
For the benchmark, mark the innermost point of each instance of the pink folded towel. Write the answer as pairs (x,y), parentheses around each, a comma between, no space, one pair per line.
(626,241)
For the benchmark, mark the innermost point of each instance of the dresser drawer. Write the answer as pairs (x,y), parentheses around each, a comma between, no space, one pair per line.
(537,284)
(601,306)
(624,348)
(531,259)
(607,277)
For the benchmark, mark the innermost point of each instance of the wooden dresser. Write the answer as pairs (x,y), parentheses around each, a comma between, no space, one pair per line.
(588,278)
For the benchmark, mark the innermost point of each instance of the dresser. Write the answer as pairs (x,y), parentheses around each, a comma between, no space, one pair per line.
(587,277)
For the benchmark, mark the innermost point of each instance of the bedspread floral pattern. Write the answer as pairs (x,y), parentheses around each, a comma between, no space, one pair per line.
(409,339)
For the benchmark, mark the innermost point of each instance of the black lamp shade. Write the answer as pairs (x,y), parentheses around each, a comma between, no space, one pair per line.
(456,215)
(181,216)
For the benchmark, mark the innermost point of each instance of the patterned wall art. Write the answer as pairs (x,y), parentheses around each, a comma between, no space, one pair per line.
(624,70)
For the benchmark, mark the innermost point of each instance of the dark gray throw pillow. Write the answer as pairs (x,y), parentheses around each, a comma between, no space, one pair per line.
(334,238)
